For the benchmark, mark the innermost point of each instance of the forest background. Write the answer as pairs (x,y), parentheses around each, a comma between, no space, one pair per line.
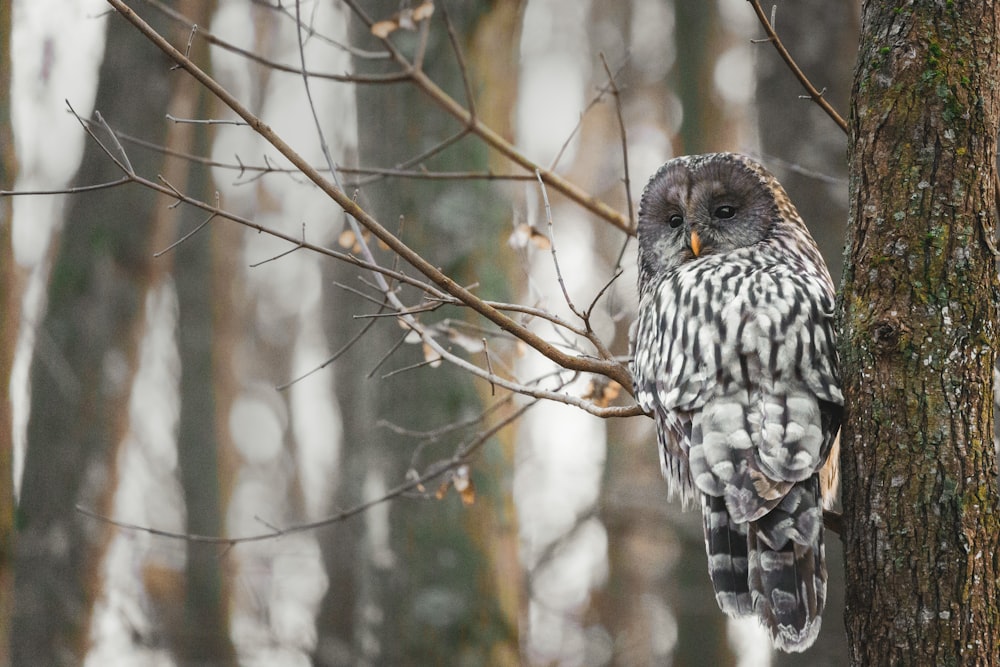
(185,373)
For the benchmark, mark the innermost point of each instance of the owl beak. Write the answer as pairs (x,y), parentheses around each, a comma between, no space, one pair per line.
(695,243)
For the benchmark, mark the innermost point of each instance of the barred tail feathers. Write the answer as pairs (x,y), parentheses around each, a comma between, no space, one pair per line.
(787,570)
(726,544)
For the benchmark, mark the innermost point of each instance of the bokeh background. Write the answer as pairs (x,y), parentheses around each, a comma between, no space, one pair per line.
(156,388)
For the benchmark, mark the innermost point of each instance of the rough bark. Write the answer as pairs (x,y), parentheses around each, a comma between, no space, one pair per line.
(918,339)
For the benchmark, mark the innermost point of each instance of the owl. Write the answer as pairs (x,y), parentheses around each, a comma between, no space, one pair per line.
(734,355)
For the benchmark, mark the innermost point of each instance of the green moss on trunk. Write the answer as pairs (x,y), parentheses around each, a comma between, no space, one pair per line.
(918,338)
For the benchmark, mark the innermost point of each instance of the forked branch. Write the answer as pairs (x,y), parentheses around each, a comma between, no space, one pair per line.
(610,368)
(411,72)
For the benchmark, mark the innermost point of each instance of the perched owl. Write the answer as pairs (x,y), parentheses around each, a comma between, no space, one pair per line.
(734,355)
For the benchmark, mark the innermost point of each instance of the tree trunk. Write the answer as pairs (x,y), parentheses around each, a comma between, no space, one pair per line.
(416,583)
(922,522)
(9,315)
(95,294)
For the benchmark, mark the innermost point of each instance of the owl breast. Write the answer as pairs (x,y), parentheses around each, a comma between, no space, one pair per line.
(755,338)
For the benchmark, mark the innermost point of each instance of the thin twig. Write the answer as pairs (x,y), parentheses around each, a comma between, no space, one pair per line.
(206,121)
(802,171)
(254,265)
(425,155)
(187,51)
(460,113)
(170,190)
(124,180)
(600,293)
(470,99)
(579,124)
(412,310)
(353,50)
(189,234)
(378,173)
(388,354)
(331,359)
(274,65)
(624,138)
(114,142)
(121,162)
(411,367)
(436,469)
(418,57)
(489,367)
(437,433)
(530,311)
(324,147)
(422,81)
(552,247)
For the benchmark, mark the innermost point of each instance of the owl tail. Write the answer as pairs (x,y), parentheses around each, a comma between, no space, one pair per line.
(726,543)
(787,568)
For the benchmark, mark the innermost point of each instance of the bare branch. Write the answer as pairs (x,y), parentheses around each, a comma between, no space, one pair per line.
(189,234)
(411,367)
(205,121)
(579,123)
(385,357)
(552,247)
(68,191)
(813,94)
(489,367)
(271,64)
(115,144)
(409,73)
(470,99)
(624,137)
(332,358)
(453,108)
(600,293)
(436,469)
(613,370)
(122,164)
(377,173)
(418,58)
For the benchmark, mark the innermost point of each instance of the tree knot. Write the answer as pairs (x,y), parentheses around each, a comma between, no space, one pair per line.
(887,331)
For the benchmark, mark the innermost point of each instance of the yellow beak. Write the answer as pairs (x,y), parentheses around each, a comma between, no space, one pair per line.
(695,243)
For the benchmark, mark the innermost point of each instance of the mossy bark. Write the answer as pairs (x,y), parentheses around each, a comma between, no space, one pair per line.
(918,341)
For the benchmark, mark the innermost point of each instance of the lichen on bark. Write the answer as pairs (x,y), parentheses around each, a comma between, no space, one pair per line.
(918,340)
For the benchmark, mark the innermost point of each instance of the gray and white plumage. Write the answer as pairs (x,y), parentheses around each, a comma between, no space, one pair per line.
(734,355)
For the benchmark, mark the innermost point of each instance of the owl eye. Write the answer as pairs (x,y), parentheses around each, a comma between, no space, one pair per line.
(725,212)
(676,220)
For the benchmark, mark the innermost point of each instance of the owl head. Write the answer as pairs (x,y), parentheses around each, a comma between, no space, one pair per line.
(701,205)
